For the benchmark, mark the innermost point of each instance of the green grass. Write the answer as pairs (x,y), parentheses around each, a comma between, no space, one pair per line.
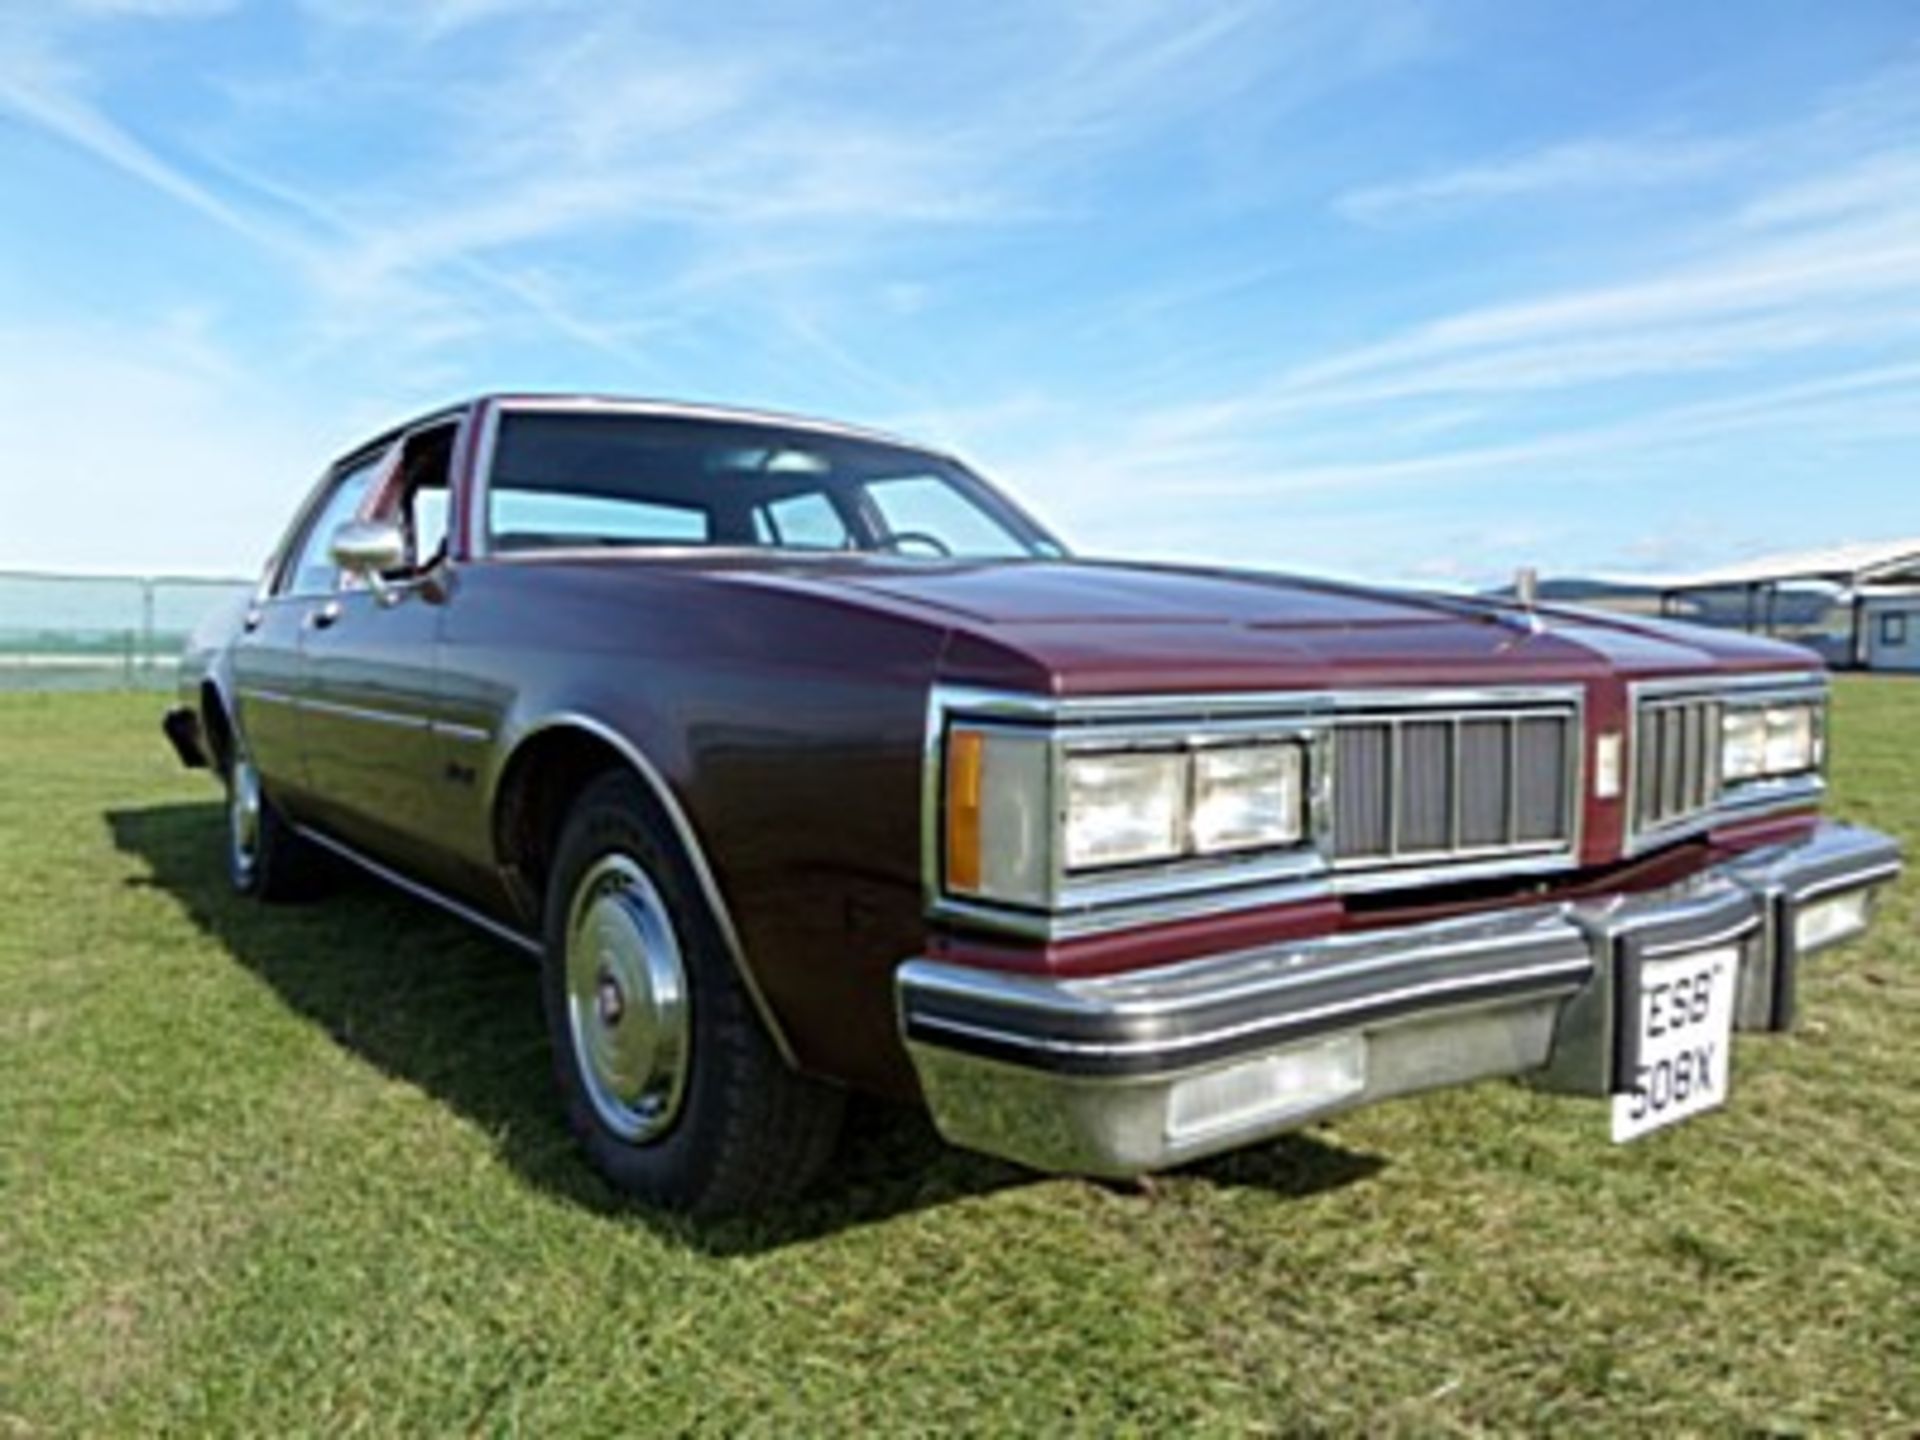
(298,1170)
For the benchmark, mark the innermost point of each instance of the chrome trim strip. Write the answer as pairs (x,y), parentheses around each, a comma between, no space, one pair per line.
(266,696)
(1859,880)
(362,712)
(422,892)
(1270,967)
(683,831)
(1734,930)
(1204,708)
(1711,685)
(1228,900)
(449,728)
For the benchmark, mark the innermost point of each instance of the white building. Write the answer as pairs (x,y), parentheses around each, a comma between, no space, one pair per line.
(1890,626)
(1858,605)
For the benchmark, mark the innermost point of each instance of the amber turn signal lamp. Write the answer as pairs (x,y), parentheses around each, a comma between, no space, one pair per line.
(966,756)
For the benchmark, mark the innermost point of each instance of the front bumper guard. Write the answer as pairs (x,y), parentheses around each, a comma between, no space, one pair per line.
(1123,1074)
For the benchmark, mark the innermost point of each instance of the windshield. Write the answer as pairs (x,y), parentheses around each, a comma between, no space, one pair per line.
(568,479)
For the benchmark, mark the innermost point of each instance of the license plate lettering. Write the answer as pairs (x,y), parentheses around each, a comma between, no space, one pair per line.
(1685,1030)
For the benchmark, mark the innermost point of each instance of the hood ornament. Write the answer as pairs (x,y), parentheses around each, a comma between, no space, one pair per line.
(1526,593)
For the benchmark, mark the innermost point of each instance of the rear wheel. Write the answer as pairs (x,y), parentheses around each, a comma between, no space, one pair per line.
(669,1079)
(266,858)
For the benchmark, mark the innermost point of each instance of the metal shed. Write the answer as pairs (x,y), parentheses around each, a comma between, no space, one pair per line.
(1858,604)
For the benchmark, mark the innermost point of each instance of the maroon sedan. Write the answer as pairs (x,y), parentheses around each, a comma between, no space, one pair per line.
(806,761)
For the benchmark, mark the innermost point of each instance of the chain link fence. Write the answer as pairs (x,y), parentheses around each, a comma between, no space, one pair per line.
(102,632)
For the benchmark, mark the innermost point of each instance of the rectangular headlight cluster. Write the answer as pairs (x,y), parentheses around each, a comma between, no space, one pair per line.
(1131,807)
(1765,742)
(1022,815)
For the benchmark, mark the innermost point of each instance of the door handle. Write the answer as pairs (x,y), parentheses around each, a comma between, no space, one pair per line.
(324,617)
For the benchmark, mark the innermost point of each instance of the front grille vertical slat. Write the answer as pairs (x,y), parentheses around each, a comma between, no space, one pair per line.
(1483,783)
(1421,786)
(1541,783)
(1690,757)
(1672,754)
(1676,761)
(1360,791)
(1646,772)
(1425,790)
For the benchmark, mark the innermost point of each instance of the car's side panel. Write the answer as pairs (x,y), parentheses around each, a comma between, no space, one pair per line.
(265,663)
(790,736)
(373,751)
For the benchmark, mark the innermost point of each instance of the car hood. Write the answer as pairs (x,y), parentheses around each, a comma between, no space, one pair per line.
(1093,626)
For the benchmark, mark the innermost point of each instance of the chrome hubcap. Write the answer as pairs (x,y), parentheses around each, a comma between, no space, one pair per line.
(243,819)
(627,1002)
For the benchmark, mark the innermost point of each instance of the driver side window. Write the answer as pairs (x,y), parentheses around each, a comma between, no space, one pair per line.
(312,571)
(417,499)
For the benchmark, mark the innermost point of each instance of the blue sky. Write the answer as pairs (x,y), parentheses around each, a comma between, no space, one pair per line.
(1420,291)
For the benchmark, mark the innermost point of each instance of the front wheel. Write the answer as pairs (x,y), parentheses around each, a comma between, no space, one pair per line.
(669,1079)
(266,858)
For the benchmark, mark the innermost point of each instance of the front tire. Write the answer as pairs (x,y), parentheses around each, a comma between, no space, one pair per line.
(266,858)
(669,1079)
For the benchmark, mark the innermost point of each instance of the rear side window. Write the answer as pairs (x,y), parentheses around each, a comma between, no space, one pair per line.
(313,571)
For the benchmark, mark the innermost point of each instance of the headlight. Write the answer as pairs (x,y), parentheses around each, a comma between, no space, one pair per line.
(1790,739)
(1743,751)
(1247,796)
(1025,814)
(1762,742)
(1125,808)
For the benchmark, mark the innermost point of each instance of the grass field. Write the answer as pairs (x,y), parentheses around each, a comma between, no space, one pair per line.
(298,1170)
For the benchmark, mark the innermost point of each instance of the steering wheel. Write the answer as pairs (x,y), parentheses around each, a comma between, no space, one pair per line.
(900,539)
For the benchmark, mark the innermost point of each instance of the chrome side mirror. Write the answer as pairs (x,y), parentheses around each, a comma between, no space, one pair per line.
(369,549)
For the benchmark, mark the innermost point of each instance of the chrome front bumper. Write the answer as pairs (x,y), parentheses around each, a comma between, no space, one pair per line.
(1130,1073)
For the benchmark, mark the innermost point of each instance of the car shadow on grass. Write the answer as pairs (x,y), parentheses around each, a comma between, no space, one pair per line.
(429,1001)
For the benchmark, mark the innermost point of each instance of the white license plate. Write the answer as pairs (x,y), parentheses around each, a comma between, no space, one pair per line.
(1686,1041)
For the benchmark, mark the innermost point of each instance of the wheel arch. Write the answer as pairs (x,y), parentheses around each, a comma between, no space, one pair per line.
(218,724)
(549,766)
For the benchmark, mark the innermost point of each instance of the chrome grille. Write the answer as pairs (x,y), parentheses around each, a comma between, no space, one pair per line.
(1421,786)
(1676,760)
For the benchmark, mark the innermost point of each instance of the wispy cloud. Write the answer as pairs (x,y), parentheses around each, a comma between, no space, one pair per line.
(1745,295)
(1605,166)
(704,158)
(1089,242)
(40,86)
